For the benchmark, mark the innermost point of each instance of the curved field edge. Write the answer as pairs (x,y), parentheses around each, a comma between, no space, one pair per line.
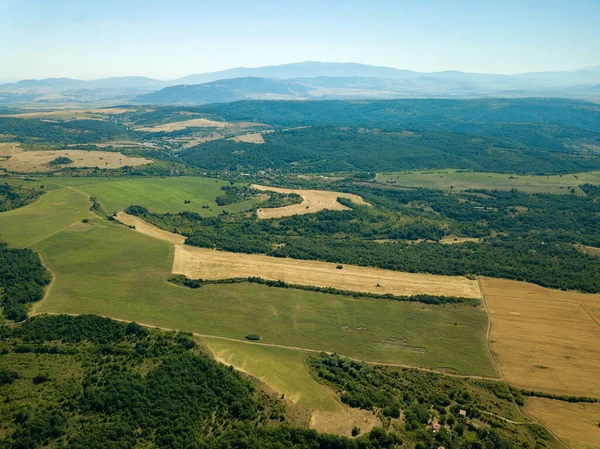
(203,263)
(104,268)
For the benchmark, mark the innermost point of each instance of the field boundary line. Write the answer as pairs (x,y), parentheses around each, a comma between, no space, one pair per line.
(487,340)
(590,315)
(274,345)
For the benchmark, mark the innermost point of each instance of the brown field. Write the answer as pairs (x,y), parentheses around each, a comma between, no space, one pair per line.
(593,251)
(250,138)
(206,263)
(575,424)
(543,339)
(199,123)
(13,158)
(452,239)
(314,201)
(69,113)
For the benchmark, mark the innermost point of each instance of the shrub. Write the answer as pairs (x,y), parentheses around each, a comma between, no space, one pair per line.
(252,337)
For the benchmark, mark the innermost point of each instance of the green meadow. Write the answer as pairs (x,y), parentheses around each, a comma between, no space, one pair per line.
(462,180)
(160,195)
(284,370)
(49,214)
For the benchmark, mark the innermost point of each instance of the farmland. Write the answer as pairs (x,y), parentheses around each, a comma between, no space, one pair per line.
(543,339)
(575,424)
(159,194)
(17,160)
(463,180)
(210,264)
(313,201)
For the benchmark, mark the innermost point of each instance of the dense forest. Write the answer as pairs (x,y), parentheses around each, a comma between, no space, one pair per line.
(412,113)
(22,280)
(529,237)
(14,196)
(318,149)
(63,132)
(429,403)
(89,382)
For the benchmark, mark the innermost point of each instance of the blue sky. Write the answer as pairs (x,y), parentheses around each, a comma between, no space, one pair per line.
(167,39)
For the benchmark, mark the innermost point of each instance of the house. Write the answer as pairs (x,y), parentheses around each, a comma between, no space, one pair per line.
(436,427)
(462,412)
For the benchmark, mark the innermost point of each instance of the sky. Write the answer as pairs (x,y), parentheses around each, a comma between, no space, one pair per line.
(90,39)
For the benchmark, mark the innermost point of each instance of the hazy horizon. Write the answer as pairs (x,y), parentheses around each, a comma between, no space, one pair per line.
(98,39)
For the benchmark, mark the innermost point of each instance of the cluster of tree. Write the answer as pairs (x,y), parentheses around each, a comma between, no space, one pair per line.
(343,149)
(536,234)
(63,132)
(423,400)
(14,196)
(521,394)
(22,280)
(141,388)
(61,160)
(423,298)
(412,113)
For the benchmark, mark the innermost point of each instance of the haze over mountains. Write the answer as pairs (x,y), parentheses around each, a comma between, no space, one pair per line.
(301,81)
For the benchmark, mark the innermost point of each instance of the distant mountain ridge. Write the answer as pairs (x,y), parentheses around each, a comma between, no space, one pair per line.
(303,80)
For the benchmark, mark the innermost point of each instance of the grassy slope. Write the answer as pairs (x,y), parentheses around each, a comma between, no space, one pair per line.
(106,269)
(160,195)
(476,180)
(284,370)
(50,213)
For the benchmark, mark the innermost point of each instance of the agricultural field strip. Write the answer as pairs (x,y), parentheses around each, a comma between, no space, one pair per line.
(206,263)
(292,348)
(534,352)
(313,201)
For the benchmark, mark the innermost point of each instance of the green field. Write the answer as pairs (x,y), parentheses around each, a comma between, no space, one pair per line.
(160,195)
(461,180)
(284,370)
(49,214)
(106,269)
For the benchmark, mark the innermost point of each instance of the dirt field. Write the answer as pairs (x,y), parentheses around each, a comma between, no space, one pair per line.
(544,339)
(199,123)
(205,263)
(13,158)
(70,114)
(575,424)
(452,239)
(250,138)
(314,201)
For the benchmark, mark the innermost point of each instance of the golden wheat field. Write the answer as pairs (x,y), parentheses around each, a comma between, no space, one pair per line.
(313,201)
(203,263)
(13,158)
(578,425)
(545,339)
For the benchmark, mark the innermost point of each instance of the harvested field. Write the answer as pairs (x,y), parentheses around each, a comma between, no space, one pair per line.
(13,158)
(544,339)
(69,114)
(252,138)
(314,201)
(206,263)
(452,239)
(198,123)
(576,424)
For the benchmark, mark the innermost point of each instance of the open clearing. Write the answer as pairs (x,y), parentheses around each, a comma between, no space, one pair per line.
(204,263)
(70,114)
(52,212)
(160,195)
(314,201)
(104,268)
(13,158)
(576,424)
(462,180)
(544,339)
(198,123)
(285,371)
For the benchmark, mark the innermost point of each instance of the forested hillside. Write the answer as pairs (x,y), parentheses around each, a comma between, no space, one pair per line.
(524,149)
(93,383)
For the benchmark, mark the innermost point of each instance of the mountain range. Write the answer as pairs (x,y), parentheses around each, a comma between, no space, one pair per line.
(302,81)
